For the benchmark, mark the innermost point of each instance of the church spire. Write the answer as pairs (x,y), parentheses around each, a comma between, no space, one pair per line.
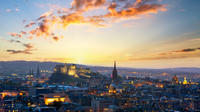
(114,73)
(114,64)
(38,71)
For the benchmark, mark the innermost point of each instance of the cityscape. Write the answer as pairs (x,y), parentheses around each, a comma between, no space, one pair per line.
(99,56)
(77,88)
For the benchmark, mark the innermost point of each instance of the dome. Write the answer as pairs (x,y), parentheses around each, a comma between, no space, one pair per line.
(112,85)
(112,88)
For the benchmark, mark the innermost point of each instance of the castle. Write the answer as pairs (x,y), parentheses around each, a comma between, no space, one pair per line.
(71,70)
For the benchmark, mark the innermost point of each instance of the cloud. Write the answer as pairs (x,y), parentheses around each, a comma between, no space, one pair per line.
(8,10)
(85,5)
(61,18)
(11,10)
(15,35)
(56,38)
(17,10)
(23,32)
(188,50)
(16,41)
(140,7)
(19,52)
(30,24)
(28,48)
(178,54)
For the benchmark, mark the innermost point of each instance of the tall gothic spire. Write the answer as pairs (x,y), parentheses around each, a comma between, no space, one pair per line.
(38,71)
(114,64)
(31,71)
(114,73)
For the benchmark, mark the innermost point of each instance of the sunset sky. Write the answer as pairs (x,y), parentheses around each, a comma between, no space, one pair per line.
(135,33)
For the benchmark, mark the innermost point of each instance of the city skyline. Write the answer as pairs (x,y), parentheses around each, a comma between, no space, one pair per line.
(140,34)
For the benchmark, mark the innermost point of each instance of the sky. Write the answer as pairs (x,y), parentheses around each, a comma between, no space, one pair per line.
(135,33)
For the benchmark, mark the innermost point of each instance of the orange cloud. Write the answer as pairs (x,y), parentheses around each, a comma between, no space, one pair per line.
(84,5)
(55,38)
(23,33)
(62,17)
(15,35)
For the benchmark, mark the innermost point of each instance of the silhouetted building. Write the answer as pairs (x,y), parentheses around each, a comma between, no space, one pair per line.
(175,80)
(38,72)
(31,72)
(114,75)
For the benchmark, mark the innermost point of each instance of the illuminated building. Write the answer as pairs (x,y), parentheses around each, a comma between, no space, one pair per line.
(8,93)
(112,89)
(131,82)
(175,80)
(55,97)
(114,86)
(30,75)
(185,81)
(72,70)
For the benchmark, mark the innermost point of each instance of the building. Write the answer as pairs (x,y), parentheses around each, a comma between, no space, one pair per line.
(55,97)
(185,81)
(114,74)
(99,104)
(72,70)
(175,80)
(112,89)
(38,72)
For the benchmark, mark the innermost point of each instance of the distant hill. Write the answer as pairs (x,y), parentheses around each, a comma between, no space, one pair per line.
(184,69)
(23,67)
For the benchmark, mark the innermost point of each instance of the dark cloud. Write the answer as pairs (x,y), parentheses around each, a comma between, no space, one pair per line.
(188,50)
(29,25)
(178,54)
(16,41)
(28,48)
(55,38)
(19,51)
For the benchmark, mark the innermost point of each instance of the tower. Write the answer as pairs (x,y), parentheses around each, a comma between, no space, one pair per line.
(114,73)
(38,72)
(185,81)
(31,72)
(175,80)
